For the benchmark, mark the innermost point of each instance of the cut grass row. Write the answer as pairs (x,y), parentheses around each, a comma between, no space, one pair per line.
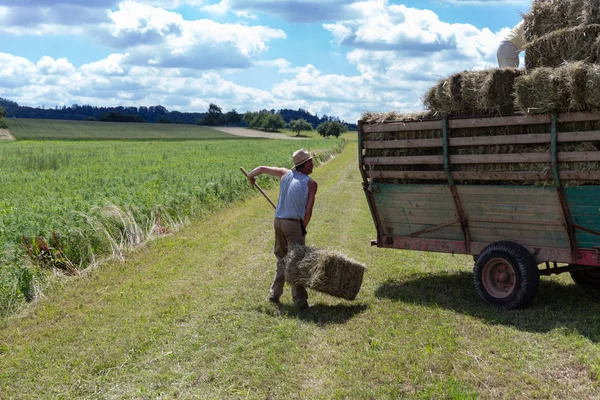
(101,197)
(187,317)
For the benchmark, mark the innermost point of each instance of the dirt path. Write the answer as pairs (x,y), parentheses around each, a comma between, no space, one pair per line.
(6,135)
(246,132)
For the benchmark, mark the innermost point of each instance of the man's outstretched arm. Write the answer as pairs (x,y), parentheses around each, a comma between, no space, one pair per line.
(273,171)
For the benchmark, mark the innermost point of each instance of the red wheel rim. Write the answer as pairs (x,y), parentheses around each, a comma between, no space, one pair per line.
(498,278)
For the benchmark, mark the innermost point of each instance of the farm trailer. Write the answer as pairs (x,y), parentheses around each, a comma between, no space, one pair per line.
(519,193)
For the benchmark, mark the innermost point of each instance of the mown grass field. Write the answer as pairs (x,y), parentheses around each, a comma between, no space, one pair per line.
(101,197)
(44,129)
(187,317)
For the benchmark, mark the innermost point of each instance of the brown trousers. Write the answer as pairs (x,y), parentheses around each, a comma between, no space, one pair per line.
(287,233)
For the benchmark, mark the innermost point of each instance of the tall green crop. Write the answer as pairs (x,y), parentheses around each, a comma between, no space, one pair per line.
(89,199)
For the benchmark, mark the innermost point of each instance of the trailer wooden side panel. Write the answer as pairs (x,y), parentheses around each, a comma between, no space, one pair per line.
(407,210)
(528,215)
(584,207)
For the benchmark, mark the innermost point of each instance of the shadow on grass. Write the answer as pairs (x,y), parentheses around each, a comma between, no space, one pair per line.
(320,314)
(556,306)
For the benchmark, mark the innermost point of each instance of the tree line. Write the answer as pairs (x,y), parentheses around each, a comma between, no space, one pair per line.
(3,124)
(213,116)
(265,120)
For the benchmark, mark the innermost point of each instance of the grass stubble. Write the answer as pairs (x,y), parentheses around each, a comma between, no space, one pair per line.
(186,316)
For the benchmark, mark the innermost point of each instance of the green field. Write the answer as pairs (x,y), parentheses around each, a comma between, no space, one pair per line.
(44,129)
(187,317)
(103,197)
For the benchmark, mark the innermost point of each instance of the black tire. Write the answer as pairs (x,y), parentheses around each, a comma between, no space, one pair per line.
(506,275)
(587,278)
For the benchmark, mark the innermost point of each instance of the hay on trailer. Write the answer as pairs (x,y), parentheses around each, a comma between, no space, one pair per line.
(549,16)
(541,91)
(324,271)
(375,117)
(497,94)
(580,43)
(571,87)
(473,93)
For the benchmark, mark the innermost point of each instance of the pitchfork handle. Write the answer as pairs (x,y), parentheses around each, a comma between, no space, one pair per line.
(259,189)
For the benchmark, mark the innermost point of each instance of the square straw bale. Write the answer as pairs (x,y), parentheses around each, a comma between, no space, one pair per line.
(549,16)
(580,43)
(324,271)
(570,87)
(541,91)
(474,93)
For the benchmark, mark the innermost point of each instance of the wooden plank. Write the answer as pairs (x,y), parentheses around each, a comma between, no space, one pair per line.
(563,137)
(407,203)
(510,192)
(412,189)
(410,211)
(587,240)
(536,222)
(527,237)
(591,222)
(519,225)
(585,210)
(392,218)
(509,158)
(486,176)
(425,175)
(402,230)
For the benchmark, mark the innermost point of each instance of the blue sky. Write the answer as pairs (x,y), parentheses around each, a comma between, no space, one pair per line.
(334,57)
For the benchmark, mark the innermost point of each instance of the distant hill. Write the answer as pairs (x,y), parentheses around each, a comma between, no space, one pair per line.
(139,114)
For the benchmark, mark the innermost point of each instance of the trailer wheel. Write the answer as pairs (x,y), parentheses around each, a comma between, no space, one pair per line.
(588,278)
(506,275)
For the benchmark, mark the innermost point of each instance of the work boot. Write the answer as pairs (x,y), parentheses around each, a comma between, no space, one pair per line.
(274,300)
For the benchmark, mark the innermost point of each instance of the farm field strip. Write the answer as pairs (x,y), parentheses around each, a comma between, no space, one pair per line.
(42,129)
(102,196)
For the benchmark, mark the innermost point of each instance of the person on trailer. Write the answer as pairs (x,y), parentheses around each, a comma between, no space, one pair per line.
(509,49)
(297,193)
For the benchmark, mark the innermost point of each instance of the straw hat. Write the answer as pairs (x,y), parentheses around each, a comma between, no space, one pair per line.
(300,157)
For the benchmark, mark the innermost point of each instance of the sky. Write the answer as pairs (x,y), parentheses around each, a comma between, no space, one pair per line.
(335,57)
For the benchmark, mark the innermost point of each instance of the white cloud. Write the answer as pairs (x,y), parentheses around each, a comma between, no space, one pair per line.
(291,10)
(49,66)
(279,63)
(154,36)
(112,65)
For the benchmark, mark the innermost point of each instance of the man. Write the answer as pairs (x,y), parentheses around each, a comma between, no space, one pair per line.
(510,47)
(297,193)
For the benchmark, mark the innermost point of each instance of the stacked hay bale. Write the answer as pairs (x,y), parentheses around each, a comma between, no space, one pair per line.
(562,74)
(324,271)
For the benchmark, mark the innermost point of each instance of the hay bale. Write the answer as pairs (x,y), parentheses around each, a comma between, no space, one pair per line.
(580,43)
(571,87)
(474,93)
(549,16)
(541,91)
(324,271)
(497,94)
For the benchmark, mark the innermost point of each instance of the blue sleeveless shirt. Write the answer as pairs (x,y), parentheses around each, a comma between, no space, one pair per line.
(293,195)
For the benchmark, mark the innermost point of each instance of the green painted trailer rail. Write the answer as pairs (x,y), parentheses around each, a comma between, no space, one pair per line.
(472,185)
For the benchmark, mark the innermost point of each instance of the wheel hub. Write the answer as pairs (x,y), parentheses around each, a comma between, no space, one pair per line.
(498,277)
